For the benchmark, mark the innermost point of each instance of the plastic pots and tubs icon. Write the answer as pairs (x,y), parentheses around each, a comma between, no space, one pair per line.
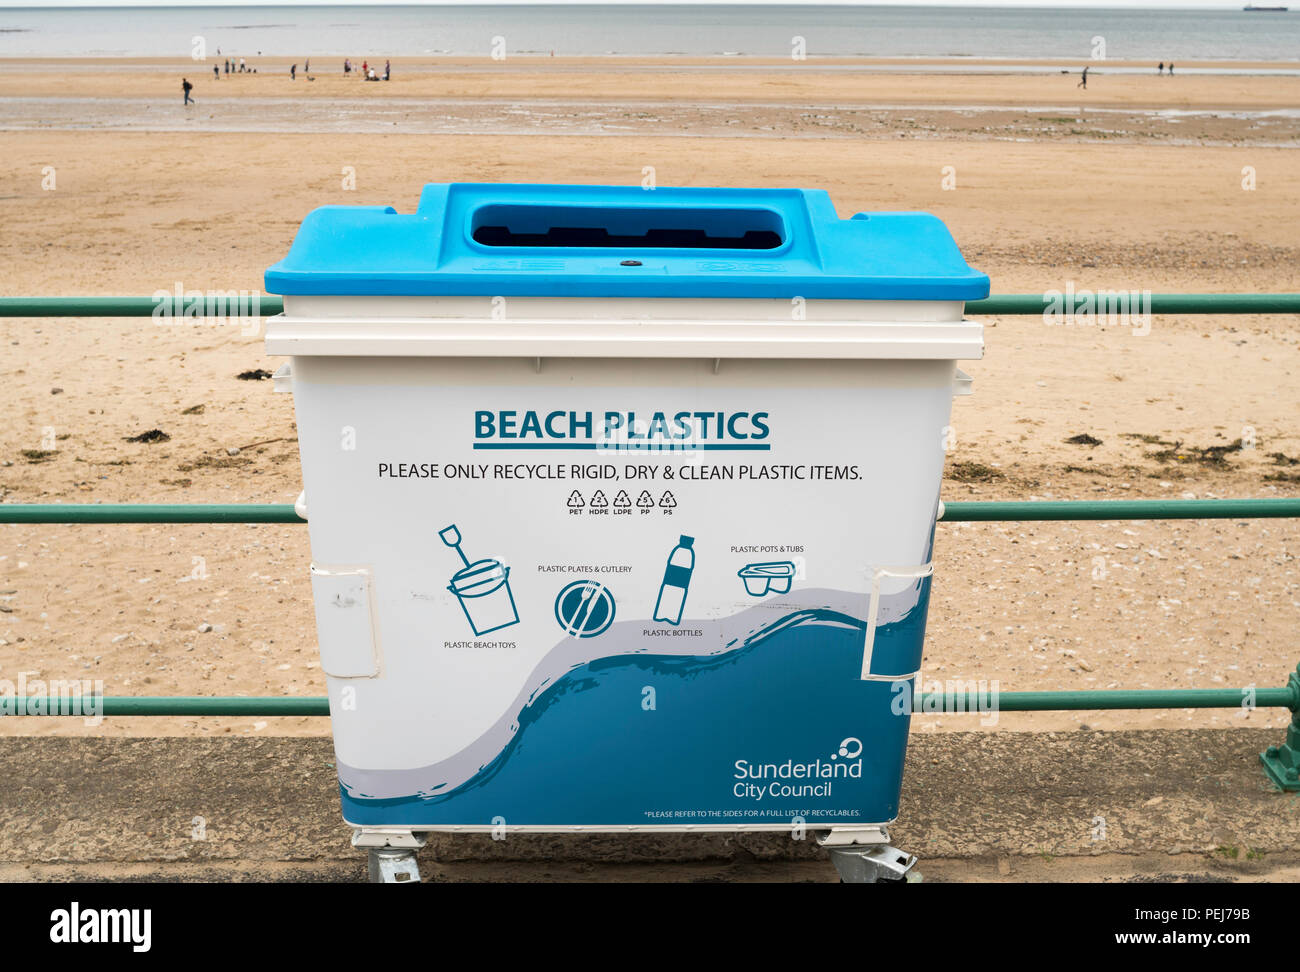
(770,578)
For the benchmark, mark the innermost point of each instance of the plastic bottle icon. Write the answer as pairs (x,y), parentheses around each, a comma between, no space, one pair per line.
(676,582)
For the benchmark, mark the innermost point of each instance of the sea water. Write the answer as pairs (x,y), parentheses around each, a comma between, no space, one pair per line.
(689,30)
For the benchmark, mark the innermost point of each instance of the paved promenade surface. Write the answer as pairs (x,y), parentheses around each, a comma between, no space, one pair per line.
(1086,805)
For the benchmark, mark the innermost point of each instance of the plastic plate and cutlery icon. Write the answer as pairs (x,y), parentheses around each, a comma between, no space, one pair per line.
(584,609)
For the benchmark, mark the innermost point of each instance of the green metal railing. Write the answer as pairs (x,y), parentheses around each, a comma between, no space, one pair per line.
(1160,304)
(1282,763)
(222,304)
(961,512)
(1287,697)
(148,513)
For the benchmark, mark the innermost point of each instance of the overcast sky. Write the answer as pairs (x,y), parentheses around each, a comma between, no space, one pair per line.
(1130,4)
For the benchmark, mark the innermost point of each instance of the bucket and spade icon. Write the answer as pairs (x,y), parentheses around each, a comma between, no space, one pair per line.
(483,589)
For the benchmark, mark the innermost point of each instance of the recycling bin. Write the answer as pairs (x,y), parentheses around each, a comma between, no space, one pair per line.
(621,502)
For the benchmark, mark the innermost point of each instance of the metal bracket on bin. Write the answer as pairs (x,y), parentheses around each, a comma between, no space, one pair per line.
(392,854)
(282,380)
(873,613)
(848,836)
(388,837)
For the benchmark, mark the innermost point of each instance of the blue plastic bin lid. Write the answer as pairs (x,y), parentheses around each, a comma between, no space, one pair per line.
(624,241)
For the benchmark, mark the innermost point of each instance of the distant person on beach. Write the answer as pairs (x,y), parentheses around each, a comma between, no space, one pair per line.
(293,72)
(216,73)
(242,66)
(1083,81)
(388,70)
(1171,69)
(347,65)
(306,66)
(187,88)
(365,69)
(1161,68)
(227,65)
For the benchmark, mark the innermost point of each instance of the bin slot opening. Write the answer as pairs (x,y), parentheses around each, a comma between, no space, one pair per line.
(647,227)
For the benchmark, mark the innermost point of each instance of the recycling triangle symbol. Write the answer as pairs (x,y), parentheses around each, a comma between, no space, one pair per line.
(645,500)
(667,501)
(599,502)
(622,501)
(575,500)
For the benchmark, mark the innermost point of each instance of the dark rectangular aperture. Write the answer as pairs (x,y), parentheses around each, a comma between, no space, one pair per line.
(628,228)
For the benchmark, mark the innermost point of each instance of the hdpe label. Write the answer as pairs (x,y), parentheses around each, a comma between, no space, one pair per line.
(628,606)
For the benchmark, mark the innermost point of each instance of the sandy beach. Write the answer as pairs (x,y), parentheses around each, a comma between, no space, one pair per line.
(737,97)
(1142,182)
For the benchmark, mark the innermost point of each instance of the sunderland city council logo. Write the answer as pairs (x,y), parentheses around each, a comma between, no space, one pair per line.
(850,748)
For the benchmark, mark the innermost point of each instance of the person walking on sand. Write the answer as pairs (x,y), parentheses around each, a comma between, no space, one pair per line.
(1083,81)
(186,87)
(243,65)
(1161,68)
(306,66)
(293,72)
(1171,69)
(216,73)
(387,69)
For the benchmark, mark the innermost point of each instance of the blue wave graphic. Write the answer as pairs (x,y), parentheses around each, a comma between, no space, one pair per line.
(654,739)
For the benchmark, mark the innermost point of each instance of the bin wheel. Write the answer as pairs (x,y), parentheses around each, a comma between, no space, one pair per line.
(393,865)
(874,864)
(912,877)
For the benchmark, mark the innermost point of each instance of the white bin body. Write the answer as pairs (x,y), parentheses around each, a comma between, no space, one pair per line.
(621,502)
(801,459)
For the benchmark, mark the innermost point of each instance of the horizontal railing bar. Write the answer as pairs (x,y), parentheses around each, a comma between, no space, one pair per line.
(168,308)
(165,705)
(966,511)
(1053,701)
(226,304)
(148,513)
(1100,304)
(1160,509)
(952,703)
